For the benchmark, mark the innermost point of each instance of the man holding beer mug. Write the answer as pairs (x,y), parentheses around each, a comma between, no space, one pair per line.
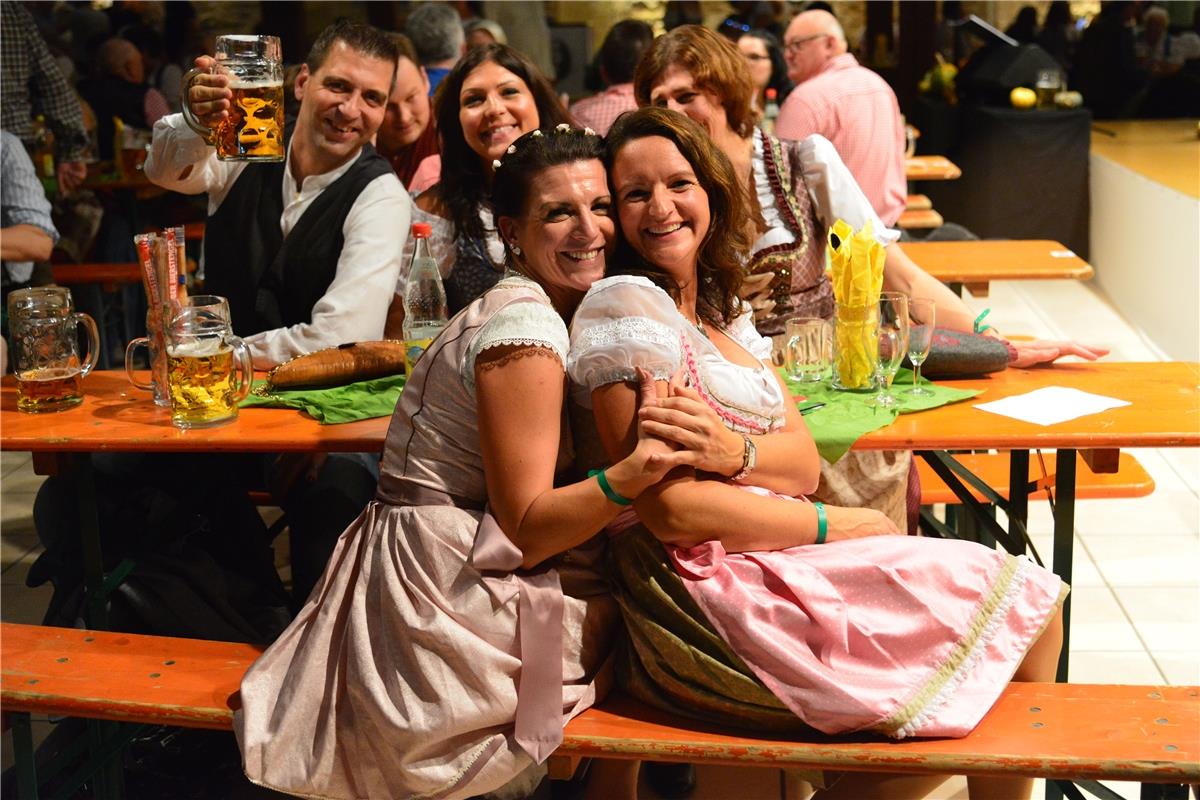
(307,249)
(304,239)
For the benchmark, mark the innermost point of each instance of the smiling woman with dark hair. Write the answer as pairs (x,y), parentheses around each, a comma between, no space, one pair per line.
(492,96)
(462,618)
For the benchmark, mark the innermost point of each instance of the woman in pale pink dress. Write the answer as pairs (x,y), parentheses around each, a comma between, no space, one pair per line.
(461,620)
(744,604)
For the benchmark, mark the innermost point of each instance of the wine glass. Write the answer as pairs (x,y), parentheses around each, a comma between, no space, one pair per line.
(893,342)
(920,339)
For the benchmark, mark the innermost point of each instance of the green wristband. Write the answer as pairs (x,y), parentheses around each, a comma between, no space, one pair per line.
(822,522)
(978,325)
(607,488)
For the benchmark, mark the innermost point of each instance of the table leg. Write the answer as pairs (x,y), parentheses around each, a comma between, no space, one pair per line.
(1018,487)
(1064,540)
(95,613)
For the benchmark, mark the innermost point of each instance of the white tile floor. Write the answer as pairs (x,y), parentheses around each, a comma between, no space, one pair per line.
(1137,562)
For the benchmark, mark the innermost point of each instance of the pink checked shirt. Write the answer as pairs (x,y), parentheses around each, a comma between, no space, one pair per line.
(601,111)
(855,109)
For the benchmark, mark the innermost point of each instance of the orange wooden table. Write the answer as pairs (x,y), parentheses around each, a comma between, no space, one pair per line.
(974,263)
(115,417)
(930,168)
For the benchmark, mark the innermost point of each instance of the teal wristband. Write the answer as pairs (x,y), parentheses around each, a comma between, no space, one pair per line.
(607,488)
(822,522)
(979,326)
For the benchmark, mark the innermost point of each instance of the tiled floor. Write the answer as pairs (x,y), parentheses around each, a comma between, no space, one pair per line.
(1137,562)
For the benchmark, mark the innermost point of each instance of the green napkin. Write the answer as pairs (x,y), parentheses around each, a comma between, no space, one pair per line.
(848,415)
(354,401)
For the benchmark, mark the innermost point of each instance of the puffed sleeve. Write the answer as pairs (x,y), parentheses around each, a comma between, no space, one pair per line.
(742,331)
(522,323)
(623,323)
(834,191)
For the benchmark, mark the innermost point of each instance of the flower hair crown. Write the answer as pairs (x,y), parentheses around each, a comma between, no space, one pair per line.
(561,127)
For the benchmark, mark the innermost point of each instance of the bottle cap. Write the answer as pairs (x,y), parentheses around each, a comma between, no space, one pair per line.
(771,94)
(421,230)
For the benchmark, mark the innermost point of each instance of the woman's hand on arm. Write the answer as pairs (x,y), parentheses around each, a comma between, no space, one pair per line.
(685,511)
(519,393)
(786,460)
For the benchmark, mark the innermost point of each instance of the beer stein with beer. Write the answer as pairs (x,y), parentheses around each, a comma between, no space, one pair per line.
(253,130)
(45,348)
(155,343)
(208,368)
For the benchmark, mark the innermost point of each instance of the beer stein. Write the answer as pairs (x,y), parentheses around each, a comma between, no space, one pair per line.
(155,343)
(807,349)
(208,368)
(253,131)
(45,348)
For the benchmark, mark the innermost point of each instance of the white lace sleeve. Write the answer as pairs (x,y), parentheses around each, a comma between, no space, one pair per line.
(623,323)
(742,331)
(524,323)
(835,192)
(441,246)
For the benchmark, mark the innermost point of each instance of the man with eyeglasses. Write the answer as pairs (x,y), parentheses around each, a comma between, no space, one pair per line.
(849,105)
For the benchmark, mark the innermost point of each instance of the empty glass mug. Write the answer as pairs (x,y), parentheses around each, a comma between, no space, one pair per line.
(155,343)
(45,348)
(208,368)
(807,347)
(253,131)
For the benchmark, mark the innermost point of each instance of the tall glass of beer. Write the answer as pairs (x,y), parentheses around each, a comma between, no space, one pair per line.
(253,131)
(45,348)
(208,368)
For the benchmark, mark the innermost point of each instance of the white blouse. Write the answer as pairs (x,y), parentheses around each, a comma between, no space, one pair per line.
(626,322)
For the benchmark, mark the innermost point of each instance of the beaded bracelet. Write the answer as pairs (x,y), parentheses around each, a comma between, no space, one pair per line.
(606,487)
(822,522)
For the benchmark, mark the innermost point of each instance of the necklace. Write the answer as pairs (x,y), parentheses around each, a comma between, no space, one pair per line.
(700,327)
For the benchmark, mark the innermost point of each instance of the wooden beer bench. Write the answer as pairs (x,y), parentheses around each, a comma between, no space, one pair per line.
(1048,730)
(920,219)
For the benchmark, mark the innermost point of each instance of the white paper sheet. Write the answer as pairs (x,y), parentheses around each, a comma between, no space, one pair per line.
(1051,405)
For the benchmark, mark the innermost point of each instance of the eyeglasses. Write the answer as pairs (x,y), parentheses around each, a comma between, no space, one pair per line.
(795,45)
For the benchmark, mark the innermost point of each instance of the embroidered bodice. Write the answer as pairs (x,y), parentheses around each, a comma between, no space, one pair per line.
(626,322)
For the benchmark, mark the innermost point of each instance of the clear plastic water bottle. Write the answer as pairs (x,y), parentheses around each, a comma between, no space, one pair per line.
(770,112)
(424,298)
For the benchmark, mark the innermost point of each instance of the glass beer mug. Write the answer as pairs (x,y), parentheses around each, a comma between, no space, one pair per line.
(208,368)
(45,348)
(155,343)
(253,131)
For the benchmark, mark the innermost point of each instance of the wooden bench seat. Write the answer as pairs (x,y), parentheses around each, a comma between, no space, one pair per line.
(1129,480)
(919,219)
(1142,733)
(918,202)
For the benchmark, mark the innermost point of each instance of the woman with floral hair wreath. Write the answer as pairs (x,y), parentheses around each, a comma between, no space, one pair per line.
(461,620)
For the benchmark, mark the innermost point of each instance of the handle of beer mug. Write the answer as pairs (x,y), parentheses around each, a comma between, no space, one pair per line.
(245,366)
(141,341)
(93,350)
(206,133)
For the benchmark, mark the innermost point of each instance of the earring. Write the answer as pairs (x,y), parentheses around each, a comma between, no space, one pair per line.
(516,249)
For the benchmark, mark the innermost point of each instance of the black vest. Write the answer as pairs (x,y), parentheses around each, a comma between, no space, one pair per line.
(272,282)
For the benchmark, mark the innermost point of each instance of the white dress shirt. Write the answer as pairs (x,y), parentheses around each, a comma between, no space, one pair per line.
(354,307)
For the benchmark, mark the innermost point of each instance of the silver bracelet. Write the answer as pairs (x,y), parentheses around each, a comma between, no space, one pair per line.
(749,458)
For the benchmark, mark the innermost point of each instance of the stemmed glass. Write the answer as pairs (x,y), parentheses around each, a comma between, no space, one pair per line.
(920,339)
(893,342)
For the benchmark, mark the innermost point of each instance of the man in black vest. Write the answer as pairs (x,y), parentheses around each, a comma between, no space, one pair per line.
(307,250)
